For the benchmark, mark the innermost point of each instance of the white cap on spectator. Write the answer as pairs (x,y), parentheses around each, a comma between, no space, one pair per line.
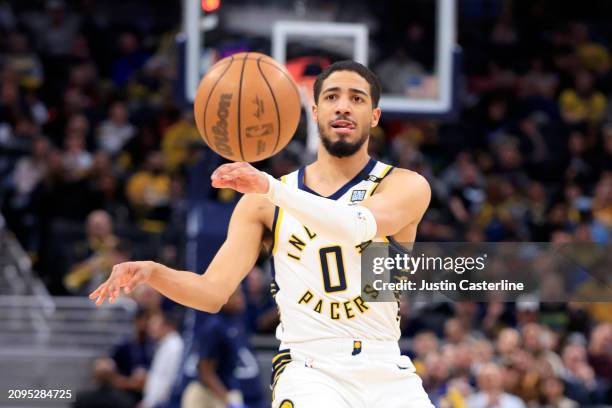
(527,303)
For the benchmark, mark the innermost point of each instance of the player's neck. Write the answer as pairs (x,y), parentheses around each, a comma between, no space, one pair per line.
(328,166)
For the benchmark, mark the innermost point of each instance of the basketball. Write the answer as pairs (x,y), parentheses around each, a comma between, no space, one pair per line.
(247,107)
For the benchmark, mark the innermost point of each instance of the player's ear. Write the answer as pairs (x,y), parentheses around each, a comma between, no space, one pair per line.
(314,111)
(375,116)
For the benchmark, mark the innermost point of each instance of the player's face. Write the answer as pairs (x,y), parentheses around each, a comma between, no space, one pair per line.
(344,113)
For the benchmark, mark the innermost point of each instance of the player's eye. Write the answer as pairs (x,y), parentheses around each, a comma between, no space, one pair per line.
(357,99)
(330,97)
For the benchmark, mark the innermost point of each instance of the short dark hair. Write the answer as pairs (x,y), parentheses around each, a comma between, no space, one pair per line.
(349,65)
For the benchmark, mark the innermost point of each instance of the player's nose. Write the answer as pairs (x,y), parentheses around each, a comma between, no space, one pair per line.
(343,107)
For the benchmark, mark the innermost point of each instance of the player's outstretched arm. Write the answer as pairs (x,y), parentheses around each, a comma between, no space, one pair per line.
(400,200)
(207,292)
(337,221)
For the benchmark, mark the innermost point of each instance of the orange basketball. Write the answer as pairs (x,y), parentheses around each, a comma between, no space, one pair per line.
(247,107)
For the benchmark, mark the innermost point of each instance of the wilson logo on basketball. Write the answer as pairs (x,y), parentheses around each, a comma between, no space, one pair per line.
(220,128)
(260,130)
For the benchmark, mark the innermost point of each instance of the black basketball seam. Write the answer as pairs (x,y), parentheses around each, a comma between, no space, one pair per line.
(276,67)
(210,95)
(239,102)
(278,124)
(287,75)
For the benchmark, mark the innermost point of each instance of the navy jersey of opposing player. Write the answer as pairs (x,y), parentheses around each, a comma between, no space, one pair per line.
(222,339)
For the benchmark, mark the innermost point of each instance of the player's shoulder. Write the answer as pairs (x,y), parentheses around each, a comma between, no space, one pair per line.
(405,179)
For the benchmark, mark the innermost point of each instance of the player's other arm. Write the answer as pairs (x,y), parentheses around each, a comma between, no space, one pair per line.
(400,200)
(207,292)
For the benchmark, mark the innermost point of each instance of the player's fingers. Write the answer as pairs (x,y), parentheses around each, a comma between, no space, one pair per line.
(133,282)
(225,168)
(96,292)
(221,183)
(113,294)
(102,295)
(218,171)
(238,172)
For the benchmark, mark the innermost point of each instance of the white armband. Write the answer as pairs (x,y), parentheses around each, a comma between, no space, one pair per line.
(336,221)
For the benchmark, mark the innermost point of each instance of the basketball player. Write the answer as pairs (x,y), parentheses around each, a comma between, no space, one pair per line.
(336,350)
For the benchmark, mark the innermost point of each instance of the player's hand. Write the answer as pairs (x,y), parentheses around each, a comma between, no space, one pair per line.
(125,275)
(240,176)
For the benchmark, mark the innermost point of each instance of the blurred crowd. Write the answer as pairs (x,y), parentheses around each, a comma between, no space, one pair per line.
(97,157)
(523,354)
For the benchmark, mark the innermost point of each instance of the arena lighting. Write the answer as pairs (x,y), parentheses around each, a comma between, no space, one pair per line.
(210,6)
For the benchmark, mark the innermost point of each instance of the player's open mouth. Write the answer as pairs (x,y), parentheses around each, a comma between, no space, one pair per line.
(343,127)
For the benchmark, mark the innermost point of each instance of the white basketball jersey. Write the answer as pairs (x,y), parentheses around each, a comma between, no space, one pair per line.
(317,282)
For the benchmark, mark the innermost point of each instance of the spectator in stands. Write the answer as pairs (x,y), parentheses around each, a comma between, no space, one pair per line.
(398,72)
(483,352)
(131,58)
(21,205)
(468,195)
(527,310)
(94,258)
(491,392)
(508,342)
(228,371)
(551,391)
(579,377)
(539,81)
(435,375)
(148,193)
(133,356)
(114,132)
(593,55)
(261,314)
(495,214)
(497,316)
(177,142)
(583,103)
(105,395)
(605,155)
(600,351)
(77,160)
(23,61)
(535,216)
(54,29)
(30,170)
(532,333)
(454,331)
(10,105)
(165,366)
(602,201)
(579,168)
(108,195)
(463,357)
(423,344)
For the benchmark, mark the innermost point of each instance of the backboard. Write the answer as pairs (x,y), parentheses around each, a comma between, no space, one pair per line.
(418,78)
